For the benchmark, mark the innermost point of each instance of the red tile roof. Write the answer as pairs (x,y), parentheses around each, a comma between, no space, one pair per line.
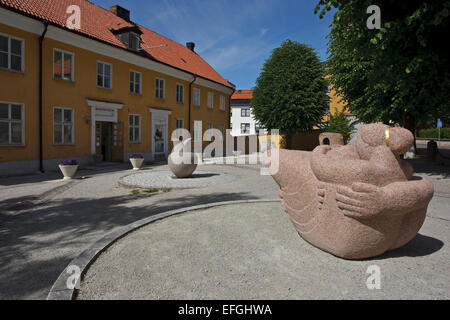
(97,22)
(242,94)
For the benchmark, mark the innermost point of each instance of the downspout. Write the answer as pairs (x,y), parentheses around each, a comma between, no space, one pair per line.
(41,40)
(190,101)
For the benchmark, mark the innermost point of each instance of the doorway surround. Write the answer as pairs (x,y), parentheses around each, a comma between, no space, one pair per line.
(102,111)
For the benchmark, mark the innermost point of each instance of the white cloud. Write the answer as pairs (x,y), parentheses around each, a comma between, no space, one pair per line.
(263,31)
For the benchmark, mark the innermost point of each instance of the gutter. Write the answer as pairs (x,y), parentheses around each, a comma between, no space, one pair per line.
(41,41)
(190,101)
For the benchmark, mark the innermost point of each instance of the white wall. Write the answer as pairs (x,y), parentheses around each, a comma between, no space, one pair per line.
(237,120)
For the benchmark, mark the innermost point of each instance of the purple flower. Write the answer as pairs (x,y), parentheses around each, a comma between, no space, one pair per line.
(68,163)
(137,156)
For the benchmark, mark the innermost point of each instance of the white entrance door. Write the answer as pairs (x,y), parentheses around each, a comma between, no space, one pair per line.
(160,137)
(160,134)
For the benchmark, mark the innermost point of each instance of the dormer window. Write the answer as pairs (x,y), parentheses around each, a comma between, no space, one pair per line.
(129,36)
(134,41)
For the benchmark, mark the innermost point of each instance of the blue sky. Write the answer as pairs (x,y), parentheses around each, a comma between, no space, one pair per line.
(235,37)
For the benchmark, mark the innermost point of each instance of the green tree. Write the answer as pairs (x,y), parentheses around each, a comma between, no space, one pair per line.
(400,72)
(291,91)
(340,123)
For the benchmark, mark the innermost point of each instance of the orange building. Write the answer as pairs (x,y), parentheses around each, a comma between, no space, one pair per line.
(101,92)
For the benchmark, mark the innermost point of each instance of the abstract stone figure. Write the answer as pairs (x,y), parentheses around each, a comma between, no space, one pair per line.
(330,138)
(355,202)
(182,163)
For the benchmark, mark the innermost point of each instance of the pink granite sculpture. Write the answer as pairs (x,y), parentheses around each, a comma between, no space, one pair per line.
(355,202)
(331,138)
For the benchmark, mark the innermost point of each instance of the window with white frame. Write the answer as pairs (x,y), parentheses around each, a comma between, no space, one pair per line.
(210,100)
(104,75)
(11,53)
(62,65)
(180,129)
(135,82)
(134,128)
(11,123)
(222,103)
(245,128)
(62,125)
(198,131)
(160,87)
(196,97)
(245,112)
(180,123)
(210,125)
(180,93)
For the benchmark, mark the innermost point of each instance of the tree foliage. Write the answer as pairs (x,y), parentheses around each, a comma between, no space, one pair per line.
(291,91)
(340,123)
(399,71)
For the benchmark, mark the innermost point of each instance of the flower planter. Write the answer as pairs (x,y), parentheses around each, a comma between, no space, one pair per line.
(68,171)
(137,163)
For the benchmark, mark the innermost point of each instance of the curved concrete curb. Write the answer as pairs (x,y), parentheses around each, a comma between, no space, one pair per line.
(60,290)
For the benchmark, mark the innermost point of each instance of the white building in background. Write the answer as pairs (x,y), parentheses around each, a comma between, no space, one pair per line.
(242,121)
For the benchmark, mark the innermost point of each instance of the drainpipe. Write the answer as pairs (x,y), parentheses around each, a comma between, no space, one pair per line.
(190,101)
(41,40)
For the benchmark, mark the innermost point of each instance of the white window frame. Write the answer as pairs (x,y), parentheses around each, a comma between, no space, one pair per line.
(176,123)
(223,103)
(197,94)
(210,100)
(158,89)
(62,123)
(22,67)
(134,126)
(179,130)
(245,115)
(179,85)
(9,121)
(134,82)
(103,75)
(72,67)
(249,128)
(210,125)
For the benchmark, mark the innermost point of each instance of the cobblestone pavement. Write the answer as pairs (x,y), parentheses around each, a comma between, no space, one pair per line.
(166,180)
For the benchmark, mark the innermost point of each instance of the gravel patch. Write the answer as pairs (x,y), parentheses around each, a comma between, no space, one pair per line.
(166,179)
(252,251)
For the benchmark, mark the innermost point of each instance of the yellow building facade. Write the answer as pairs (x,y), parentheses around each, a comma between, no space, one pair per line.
(99,102)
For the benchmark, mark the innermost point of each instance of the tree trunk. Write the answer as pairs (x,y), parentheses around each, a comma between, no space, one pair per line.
(289,141)
(410,124)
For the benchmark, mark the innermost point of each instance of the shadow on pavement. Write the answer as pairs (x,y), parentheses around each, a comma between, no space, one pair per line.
(37,245)
(418,247)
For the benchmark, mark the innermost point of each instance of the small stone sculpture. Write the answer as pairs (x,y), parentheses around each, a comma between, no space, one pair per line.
(355,202)
(182,163)
(331,138)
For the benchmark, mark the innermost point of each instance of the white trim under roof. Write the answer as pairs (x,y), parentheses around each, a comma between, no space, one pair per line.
(28,24)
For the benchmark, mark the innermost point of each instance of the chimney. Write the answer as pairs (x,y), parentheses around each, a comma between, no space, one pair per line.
(120,12)
(190,46)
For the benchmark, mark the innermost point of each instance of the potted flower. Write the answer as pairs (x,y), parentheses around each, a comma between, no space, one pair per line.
(137,160)
(68,168)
